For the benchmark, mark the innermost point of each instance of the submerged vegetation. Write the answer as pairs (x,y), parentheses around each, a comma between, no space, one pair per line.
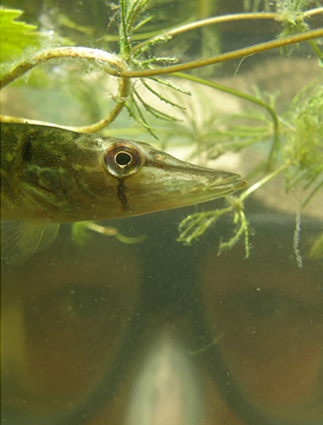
(293,139)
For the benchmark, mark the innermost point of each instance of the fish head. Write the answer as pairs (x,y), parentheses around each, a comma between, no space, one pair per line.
(149,180)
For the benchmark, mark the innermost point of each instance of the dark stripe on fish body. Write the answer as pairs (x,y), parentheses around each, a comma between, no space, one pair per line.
(122,196)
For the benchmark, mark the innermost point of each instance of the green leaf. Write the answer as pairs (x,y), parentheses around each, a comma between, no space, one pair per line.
(15,36)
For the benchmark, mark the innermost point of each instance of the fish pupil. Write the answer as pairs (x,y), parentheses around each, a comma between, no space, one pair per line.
(123,159)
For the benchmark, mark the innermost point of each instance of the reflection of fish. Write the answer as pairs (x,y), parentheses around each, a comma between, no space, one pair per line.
(51,176)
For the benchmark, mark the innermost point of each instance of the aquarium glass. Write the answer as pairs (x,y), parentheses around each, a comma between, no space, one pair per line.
(207,314)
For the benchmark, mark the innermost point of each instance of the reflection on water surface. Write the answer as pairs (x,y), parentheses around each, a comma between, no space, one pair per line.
(157,332)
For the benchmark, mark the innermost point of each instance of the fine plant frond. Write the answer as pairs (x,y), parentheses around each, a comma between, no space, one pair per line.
(313,192)
(136,113)
(241,228)
(304,138)
(152,110)
(147,46)
(159,96)
(142,23)
(217,134)
(193,226)
(171,85)
(317,248)
(130,9)
(292,15)
(139,59)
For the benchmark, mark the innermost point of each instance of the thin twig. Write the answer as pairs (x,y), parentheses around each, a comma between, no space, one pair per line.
(260,183)
(61,52)
(209,21)
(258,48)
(313,12)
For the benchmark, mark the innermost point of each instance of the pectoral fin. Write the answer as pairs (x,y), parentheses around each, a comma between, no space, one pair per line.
(20,240)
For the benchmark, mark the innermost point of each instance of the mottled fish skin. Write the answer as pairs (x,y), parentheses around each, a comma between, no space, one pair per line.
(51,176)
(58,176)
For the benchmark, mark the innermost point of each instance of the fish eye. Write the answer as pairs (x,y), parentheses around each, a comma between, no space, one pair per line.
(123,159)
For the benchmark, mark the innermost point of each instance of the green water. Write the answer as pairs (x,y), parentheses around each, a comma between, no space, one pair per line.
(156,332)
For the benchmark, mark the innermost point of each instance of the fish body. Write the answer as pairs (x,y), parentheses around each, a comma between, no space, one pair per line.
(52,176)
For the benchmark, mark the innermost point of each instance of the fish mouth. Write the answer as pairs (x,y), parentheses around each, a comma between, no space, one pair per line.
(175,187)
(213,188)
(225,185)
(192,180)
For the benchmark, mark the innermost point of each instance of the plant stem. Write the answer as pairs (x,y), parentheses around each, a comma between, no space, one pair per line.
(317,51)
(122,70)
(64,52)
(209,21)
(262,47)
(313,12)
(79,52)
(260,183)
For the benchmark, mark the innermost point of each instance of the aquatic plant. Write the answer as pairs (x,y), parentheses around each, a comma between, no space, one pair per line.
(294,139)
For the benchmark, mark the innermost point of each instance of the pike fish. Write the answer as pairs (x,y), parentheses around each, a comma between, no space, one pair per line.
(51,176)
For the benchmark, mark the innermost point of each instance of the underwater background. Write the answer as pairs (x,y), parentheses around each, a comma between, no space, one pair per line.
(153,325)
